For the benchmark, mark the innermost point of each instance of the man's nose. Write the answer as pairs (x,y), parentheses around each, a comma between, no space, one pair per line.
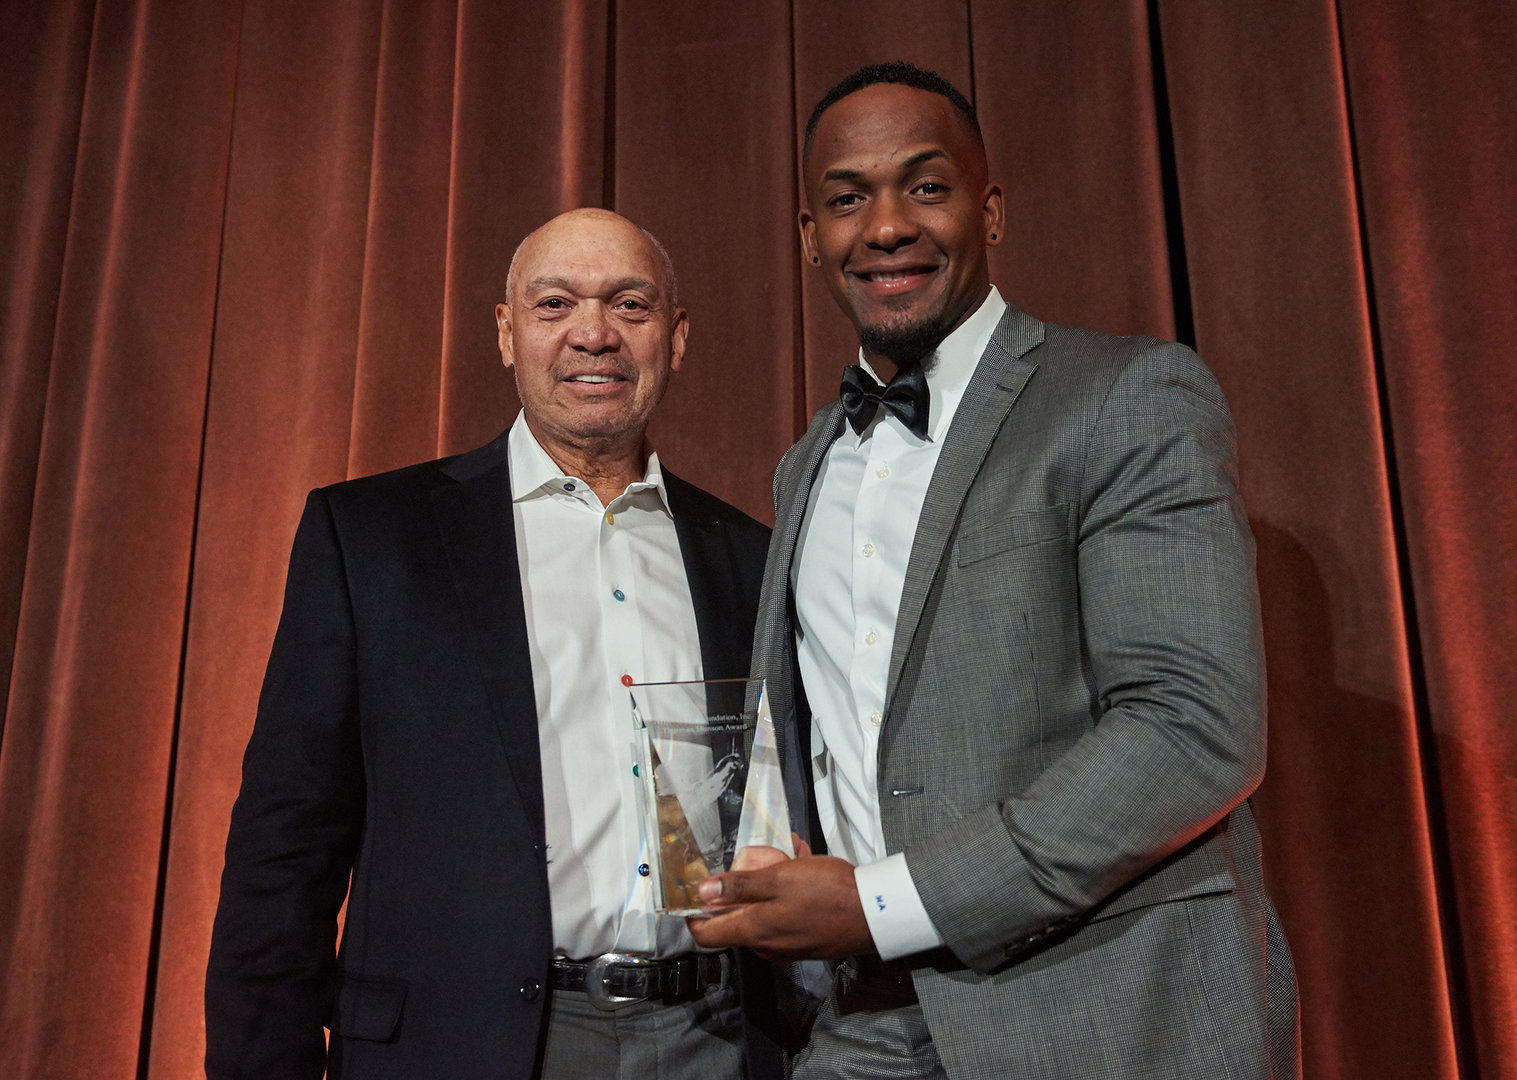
(890,223)
(593,329)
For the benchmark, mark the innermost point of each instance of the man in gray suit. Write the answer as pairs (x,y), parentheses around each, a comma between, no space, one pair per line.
(1012,637)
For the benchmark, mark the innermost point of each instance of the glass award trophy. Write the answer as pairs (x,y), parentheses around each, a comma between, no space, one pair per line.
(708,782)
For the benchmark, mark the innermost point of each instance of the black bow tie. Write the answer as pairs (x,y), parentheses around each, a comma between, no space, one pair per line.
(906,396)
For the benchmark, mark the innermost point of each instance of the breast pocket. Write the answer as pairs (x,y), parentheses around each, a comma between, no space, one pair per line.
(1020,528)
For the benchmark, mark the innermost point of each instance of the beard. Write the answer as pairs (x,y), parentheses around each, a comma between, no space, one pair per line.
(904,344)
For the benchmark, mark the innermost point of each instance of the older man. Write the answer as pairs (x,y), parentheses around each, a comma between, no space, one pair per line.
(443,724)
(1013,638)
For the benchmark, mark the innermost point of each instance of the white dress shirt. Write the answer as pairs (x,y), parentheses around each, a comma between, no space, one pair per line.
(605,594)
(847,574)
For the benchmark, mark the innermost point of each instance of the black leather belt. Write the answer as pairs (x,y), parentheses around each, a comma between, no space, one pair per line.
(866,983)
(613,980)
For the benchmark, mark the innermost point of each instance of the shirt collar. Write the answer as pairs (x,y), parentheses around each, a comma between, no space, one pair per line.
(951,365)
(534,473)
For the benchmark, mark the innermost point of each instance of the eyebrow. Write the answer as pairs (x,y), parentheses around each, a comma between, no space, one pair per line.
(619,285)
(912,161)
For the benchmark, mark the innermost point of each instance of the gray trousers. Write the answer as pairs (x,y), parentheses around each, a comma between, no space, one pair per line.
(864,1034)
(688,1040)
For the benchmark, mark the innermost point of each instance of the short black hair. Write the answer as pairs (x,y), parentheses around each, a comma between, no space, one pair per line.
(900,73)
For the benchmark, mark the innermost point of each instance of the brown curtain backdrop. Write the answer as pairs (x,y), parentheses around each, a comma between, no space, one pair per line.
(250,249)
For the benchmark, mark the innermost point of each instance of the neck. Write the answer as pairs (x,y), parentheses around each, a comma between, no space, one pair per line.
(885,369)
(608,465)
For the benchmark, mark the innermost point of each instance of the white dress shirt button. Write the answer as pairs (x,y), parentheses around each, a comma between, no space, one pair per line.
(871,637)
(618,594)
(882,472)
(876,719)
(868,550)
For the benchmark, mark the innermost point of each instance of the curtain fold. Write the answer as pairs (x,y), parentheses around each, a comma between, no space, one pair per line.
(95,677)
(1065,94)
(41,88)
(1434,93)
(1280,305)
(247,252)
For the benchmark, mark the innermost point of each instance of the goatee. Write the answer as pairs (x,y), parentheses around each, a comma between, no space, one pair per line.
(903,345)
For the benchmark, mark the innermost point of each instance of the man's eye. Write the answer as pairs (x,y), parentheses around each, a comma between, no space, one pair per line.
(553,303)
(930,187)
(846,199)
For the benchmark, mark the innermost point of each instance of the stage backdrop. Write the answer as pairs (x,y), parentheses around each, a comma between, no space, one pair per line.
(250,249)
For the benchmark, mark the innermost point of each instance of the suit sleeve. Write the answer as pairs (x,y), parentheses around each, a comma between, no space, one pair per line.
(1170,620)
(294,831)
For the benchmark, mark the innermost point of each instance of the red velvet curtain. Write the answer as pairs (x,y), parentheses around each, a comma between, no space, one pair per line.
(249,249)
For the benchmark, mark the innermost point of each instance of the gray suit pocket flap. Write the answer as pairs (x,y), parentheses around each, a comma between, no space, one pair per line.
(1017,529)
(368,1008)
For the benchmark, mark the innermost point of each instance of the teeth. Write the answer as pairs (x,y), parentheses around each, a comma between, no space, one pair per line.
(593,378)
(890,275)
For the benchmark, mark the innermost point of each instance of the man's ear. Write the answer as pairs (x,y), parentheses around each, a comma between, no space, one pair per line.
(807,224)
(503,325)
(677,339)
(995,214)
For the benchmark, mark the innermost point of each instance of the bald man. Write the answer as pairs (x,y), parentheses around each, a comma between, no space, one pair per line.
(443,725)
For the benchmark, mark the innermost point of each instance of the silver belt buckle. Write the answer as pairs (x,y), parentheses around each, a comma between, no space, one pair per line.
(595,980)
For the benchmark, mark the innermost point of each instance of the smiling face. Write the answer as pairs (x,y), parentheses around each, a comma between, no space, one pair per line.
(899,215)
(591,332)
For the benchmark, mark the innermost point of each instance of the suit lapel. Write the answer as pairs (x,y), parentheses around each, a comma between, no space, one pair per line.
(997,382)
(790,504)
(479,536)
(707,555)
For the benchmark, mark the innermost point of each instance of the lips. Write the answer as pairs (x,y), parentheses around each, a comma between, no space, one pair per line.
(597,382)
(893,280)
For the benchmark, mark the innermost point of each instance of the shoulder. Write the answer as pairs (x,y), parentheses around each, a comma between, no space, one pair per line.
(388,493)
(687,502)
(1114,371)
(399,495)
(823,426)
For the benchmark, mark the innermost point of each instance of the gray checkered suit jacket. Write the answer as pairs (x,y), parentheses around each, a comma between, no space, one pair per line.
(1074,719)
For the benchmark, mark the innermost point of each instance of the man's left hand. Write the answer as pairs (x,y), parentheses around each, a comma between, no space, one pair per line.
(799,909)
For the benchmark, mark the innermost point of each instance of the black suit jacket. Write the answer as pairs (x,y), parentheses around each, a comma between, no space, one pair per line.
(396,748)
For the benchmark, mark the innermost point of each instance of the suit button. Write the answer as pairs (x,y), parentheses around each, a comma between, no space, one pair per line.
(530,988)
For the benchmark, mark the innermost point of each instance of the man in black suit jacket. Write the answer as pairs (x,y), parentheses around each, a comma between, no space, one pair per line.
(401,739)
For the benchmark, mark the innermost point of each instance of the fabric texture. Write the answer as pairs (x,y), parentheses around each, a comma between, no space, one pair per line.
(649,1040)
(890,1044)
(397,744)
(1075,708)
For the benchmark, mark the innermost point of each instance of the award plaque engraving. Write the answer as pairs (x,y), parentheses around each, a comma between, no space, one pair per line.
(709,784)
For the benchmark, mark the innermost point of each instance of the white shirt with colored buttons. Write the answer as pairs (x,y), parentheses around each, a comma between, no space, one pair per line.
(605,594)
(849,567)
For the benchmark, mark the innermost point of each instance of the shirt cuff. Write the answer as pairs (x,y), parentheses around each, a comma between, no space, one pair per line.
(897,920)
